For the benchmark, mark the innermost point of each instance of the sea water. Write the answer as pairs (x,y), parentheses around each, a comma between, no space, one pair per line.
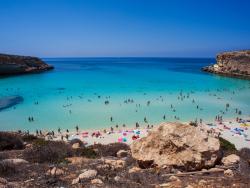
(74,93)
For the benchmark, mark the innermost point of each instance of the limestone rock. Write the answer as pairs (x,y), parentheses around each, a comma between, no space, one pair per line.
(3,181)
(117,178)
(76,146)
(202,182)
(15,161)
(235,64)
(55,172)
(122,153)
(77,160)
(75,181)
(133,170)
(116,164)
(229,173)
(174,178)
(88,174)
(178,145)
(231,160)
(97,181)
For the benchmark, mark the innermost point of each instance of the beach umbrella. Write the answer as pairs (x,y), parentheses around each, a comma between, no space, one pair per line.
(119,139)
(124,139)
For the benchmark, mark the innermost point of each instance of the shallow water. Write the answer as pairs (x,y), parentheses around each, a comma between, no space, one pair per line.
(74,93)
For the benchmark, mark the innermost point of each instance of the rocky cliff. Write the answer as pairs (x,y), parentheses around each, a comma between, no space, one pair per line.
(234,64)
(14,64)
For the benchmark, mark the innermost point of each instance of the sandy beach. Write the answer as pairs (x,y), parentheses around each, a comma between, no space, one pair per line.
(231,130)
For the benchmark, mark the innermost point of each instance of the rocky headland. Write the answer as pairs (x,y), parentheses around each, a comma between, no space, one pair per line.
(15,64)
(232,64)
(172,155)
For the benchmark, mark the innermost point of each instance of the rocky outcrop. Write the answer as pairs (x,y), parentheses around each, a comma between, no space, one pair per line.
(234,64)
(177,145)
(7,102)
(14,64)
(231,160)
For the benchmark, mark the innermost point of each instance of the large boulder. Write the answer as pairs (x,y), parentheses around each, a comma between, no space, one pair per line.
(177,145)
(231,160)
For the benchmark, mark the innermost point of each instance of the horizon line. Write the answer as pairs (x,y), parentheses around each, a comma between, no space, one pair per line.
(123,57)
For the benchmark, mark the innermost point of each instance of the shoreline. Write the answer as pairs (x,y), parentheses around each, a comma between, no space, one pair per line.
(229,129)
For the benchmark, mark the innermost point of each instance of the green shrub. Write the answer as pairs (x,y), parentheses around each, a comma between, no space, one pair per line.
(48,151)
(110,149)
(227,147)
(10,141)
(85,152)
(29,138)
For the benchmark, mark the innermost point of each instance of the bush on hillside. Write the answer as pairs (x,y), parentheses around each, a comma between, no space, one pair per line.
(29,138)
(10,141)
(48,151)
(110,149)
(227,147)
(87,152)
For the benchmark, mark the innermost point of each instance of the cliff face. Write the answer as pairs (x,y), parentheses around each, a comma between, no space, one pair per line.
(235,64)
(14,64)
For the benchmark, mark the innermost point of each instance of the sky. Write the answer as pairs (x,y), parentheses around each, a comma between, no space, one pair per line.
(124,28)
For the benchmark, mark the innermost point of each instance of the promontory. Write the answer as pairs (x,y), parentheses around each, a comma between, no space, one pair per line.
(233,64)
(15,64)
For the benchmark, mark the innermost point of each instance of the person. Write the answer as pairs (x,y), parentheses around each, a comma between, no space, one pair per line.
(59,130)
(117,126)
(164,117)
(111,129)
(77,128)
(111,118)
(137,125)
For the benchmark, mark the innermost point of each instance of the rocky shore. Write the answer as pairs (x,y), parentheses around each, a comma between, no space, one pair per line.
(232,64)
(172,155)
(14,64)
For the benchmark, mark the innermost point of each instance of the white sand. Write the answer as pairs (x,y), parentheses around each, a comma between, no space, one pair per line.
(240,141)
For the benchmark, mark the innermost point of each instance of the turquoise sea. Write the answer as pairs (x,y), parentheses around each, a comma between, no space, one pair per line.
(134,88)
